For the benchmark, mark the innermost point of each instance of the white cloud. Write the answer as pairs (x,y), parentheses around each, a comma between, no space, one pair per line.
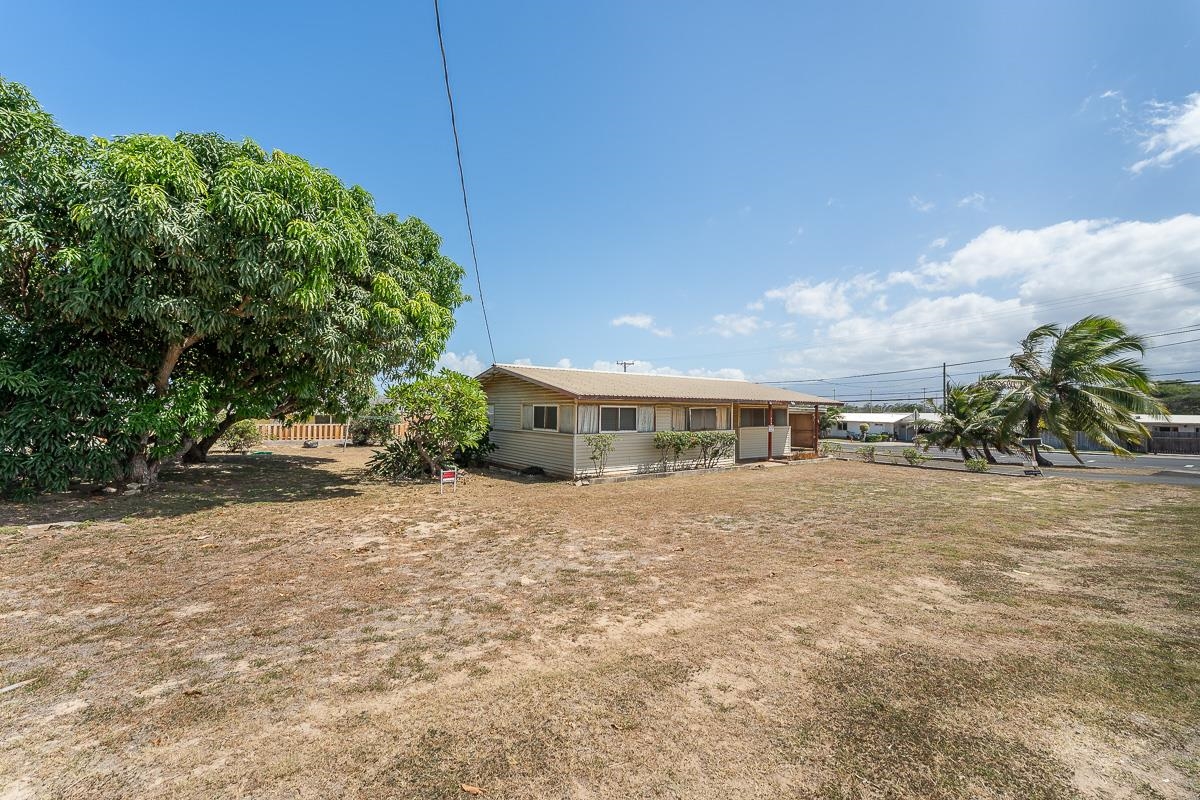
(825,300)
(984,297)
(939,243)
(563,363)
(975,200)
(649,368)
(728,325)
(467,363)
(1174,131)
(643,322)
(757,305)
(524,362)
(921,205)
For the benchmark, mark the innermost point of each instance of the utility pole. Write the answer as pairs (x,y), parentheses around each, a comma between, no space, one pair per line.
(945,386)
(625,365)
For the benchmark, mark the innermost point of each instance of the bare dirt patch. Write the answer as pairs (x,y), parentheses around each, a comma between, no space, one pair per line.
(275,627)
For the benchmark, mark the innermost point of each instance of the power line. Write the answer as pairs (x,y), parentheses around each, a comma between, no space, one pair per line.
(1146,287)
(462,179)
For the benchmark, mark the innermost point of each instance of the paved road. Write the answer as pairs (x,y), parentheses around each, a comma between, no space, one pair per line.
(1182,470)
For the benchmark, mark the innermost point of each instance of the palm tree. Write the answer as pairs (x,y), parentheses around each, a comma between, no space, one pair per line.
(994,429)
(1084,378)
(962,424)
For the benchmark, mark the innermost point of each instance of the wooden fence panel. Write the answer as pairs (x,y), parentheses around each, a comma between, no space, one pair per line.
(274,432)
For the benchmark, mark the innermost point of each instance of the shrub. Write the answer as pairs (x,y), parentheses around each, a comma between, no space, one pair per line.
(976,465)
(877,437)
(371,430)
(241,436)
(914,456)
(830,448)
(473,456)
(673,444)
(601,444)
(714,445)
(867,453)
(398,459)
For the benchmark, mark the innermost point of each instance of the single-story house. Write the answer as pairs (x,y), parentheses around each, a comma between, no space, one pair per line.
(542,416)
(1174,433)
(902,426)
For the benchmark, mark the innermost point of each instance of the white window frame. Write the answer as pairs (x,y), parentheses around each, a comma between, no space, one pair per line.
(716,417)
(534,426)
(619,429)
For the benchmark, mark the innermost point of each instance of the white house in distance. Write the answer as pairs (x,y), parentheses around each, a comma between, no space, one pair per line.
(900,425)
(541,416)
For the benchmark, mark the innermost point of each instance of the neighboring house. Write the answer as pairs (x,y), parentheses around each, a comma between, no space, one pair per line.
(542,416)
(902,426)
(1176,433)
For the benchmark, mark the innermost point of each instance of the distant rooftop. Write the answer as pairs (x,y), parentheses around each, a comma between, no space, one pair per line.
(1170,419)
(590,384)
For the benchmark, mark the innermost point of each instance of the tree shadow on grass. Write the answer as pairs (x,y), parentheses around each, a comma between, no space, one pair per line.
(225,480)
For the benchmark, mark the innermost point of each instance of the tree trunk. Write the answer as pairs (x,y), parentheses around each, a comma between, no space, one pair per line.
(142,469)
(1042,461)
(966,454)
(987,453)
(197,450)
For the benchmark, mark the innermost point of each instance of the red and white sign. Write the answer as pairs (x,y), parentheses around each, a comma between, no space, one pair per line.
(449,476)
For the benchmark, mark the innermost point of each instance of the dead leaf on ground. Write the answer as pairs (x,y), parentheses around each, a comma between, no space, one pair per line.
(469,789)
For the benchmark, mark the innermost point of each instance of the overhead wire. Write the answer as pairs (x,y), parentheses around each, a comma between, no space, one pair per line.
(462,179)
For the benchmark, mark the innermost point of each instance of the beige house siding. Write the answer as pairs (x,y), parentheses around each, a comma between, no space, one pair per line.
(526,448)
(564,454)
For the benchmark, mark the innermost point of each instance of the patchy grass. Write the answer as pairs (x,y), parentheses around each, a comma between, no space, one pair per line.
(275,627)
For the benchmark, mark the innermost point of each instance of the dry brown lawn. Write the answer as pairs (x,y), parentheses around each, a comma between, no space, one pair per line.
(274,627)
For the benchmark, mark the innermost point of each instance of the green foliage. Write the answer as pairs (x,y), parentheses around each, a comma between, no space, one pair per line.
(399,459)
(877,437)
(1179,397)
(867,453)
(600,445)
(830,448)
(914,456)
(976,465)
(1084,378)
(863,428)
(673,444)
(444,412)
(375,429)
(714,446)
(241,436)
(830,417)
(196,278)
(474,455)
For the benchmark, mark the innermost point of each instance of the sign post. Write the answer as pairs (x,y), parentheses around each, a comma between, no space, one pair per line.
(1032,468)
(449,476)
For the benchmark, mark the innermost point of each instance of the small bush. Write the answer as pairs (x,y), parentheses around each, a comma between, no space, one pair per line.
(601,445)
(976,465)
(371,431)
(673,444)
(714,445)
(914,457)
(241,436)
(867,453)
(475,455)
(398,459)
(878,437)
(831,448)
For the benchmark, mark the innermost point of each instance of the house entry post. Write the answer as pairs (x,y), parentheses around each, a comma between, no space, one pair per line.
(770,430)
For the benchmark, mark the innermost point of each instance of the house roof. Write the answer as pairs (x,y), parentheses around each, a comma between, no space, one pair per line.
(879,418)
(587,384)
(1170,419)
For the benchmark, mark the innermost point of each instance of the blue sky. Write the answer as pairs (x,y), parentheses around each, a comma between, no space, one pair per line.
(770,190)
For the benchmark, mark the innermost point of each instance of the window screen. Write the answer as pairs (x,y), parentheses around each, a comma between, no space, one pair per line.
(702,419)
(753,418)
(545,418)
(618,418)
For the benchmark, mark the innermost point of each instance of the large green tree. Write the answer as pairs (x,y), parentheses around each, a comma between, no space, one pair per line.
(1087,377)
(204,281)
